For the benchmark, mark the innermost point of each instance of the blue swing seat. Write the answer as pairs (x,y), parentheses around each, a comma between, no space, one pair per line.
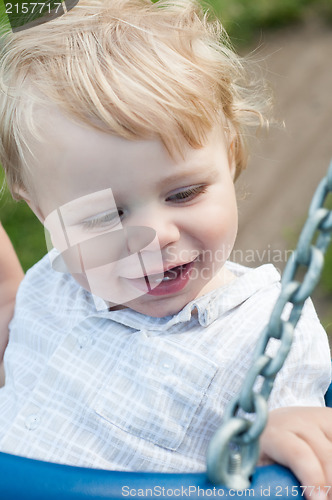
(23,478)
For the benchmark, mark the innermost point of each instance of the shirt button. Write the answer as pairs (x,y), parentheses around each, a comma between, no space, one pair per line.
(83,341)
(207,316)
(32,422)
(166,367)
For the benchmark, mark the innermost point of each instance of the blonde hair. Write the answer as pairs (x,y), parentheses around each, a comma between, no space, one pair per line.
(133,68)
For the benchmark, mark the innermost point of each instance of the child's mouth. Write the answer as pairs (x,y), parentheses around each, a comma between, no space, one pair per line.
(170,274)
(171,281)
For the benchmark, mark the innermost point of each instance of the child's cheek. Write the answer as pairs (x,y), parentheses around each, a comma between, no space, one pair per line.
(218,225)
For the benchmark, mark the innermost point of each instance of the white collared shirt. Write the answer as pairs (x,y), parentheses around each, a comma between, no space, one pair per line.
(124,391)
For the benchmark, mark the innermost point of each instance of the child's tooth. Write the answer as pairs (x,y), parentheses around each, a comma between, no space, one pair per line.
(159,280)
(171,275)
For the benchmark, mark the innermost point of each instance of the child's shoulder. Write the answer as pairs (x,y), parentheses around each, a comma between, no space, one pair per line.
(250,284)
(43,271)
(42,286)
(265,274)
(257,290)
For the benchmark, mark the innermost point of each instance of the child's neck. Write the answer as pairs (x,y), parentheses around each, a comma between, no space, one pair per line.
(222,278)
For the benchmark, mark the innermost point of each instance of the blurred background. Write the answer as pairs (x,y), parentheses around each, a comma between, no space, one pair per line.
(290,42)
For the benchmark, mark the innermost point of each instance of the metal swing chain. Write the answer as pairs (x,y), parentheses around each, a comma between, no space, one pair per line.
(234,450)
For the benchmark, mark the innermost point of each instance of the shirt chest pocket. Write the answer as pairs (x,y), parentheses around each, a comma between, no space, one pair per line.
(155,391)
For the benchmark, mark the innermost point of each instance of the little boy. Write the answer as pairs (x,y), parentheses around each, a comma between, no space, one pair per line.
(122,126)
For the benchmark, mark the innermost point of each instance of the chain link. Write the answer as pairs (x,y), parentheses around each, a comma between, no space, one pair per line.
(236,441)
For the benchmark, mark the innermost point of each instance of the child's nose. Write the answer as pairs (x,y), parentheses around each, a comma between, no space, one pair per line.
(166,230)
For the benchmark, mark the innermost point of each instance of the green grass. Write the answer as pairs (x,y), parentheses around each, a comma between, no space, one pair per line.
(245,19)
(326,279)
(3,16)
(23,228)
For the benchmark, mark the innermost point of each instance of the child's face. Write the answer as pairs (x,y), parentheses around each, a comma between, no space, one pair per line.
(102,184)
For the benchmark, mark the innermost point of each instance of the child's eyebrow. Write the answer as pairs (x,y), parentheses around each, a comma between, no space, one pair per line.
(203,174)
(80,208)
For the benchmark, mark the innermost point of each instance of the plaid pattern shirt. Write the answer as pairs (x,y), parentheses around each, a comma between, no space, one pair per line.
(121,390)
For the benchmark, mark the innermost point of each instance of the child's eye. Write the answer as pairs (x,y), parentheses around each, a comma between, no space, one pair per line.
(186,194)
(105,220)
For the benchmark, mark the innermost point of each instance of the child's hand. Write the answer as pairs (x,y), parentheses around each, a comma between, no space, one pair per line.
(301,439)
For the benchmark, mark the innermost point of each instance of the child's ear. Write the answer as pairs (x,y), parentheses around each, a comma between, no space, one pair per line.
(24,195)
(231,159)
(231,139)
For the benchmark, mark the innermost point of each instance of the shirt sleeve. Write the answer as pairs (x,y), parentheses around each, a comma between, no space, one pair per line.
(306,374)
